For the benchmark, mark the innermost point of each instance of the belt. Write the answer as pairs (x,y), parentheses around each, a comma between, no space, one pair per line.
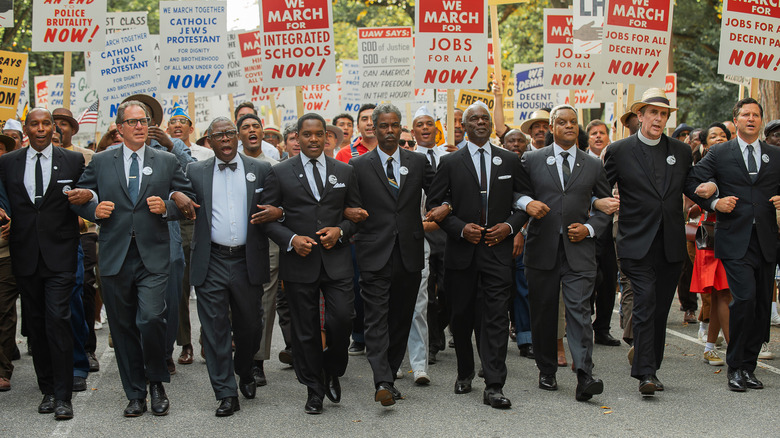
(228,250)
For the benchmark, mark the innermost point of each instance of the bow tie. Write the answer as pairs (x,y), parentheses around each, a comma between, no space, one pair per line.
(232,166)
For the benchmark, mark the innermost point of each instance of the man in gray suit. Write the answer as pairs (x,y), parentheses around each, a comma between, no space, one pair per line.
(128,194)
(560,252)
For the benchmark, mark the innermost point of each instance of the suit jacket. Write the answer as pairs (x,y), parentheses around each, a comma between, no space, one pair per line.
(456,181)
(725,165)
(201,174)
(287,187)
(51,230)
(390,218)
(105,175)
(643,208)
(572,205)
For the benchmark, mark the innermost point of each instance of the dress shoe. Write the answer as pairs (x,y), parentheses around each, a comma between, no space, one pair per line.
(647,386)
(171,366)
(94,365)
(630,355)
(432,357)
(63,410)
(527,350)
(750,380)
(135,408)
(5,384)
(587,387)
(47,404)
(495,398)
(451,343)
(396,393)
(357,348)
(463,386)
(606,339)
(548,382)
(227,406)
(186,356)
(629,341)
(690,317)
(313,404)
(384,394)
(248,387)
(79,384)
(160,403)
(16,354)
(332,388)
(285,357)
(658,385)
(259,374)
(737,381)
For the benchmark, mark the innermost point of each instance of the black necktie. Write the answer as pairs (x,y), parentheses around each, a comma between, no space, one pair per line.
(751,161)
(38,181)
(391,177)
(432,156)
(317,178)
(231,166)
(132,181)
(566,169)
(483,188)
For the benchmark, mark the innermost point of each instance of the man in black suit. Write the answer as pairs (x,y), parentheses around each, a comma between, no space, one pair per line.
(478,181)
(315,257)
(389,246)
(747,174)
(650,169)
(44,246)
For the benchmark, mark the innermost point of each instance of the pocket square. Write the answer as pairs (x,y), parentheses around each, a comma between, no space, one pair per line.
(259,190)
(505,177)
(64,181)
(339,186)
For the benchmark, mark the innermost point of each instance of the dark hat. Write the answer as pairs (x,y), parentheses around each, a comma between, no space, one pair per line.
(771,126)
(65,114)
(9,142)
(626,115)
(682,127)
(154,106)
(201,141)
(337,132)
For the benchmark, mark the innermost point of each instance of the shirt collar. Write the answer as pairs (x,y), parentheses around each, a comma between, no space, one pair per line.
(743,144)
(235,159)
(47,151)
(383,156)
(127,152)
(557,149)
(646,140)
(321,159)
(474,149)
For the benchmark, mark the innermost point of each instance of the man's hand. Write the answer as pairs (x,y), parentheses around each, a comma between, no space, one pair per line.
(776,201)
(437,214)
(497,91)
(355,214)
(706,190)
(577,232)
(430,226)
(517,245)
(79,196)
(157,205)
(185,205)
(537,209)
(329,236)
(450,148)
(303,244)
(267,213)
(472,233)
(727,204)
(104,209)
(607,205)
(497,233)
(5,231)
(155,133)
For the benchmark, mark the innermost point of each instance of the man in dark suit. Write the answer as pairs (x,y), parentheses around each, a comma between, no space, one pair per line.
(650,169)
(224,245)
(747,174)
(389,246)
(560,251)
(478,181)
(44,246)
(315,258)
(135,250)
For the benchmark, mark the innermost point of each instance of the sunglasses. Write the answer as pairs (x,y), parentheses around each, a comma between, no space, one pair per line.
(411,143)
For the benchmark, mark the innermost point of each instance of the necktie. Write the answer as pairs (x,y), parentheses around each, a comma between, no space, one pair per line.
(432,156)
(391,177)
(38,181)
(317,177)
(231,166)
(566,169)
(483,188)
(132,181)
(751,161)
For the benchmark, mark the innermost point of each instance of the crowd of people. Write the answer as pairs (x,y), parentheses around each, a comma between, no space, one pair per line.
(365,236)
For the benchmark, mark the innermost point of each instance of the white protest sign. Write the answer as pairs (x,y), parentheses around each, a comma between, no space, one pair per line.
(588,25)
(321,99)
(251,64)
(119,21)
(79,92)
(350,86)
(24,94)
(297,42)
(7,14)
(582,99)
(42,91)
(737,79)
(235,70)
(530,94)
(386,57)
(68,26)
(750,39)
(565,69)
(193,49)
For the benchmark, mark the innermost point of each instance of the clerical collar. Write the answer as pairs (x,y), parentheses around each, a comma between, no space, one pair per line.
(646,140)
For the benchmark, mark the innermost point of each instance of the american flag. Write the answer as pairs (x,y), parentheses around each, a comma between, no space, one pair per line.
(90,115)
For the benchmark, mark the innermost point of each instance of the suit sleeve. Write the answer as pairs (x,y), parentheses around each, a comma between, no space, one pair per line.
(703,171)
(428,175)
(599,220)
(179,183)
(352,200)
(439,192)
(88,181)
(610,166)
(272,195)
(4,204)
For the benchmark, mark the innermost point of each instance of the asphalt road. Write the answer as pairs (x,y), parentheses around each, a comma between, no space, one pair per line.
(696,401)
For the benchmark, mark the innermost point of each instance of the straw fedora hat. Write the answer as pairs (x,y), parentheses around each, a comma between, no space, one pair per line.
(536,116)
(653,96)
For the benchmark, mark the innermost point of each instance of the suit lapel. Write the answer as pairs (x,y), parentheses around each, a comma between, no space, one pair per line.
(119,166)
(736,153)
(373,158)
(469,163)
(56,163)
(579,162)
(297,168)
(553,168)
(494,168)
(404,162)
(207,179)
(764,153)
(149,154)
(329,170)
(644,161)
(669,167)
(249,167)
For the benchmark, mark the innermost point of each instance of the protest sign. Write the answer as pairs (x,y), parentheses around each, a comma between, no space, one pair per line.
(582,99)
(587,25)
(24,95)
(467,97)
(42,91)
(386,57)
(7,14)
(637,34)
(251,63)
(235,70)
(350,86)
(750,39)
(193,49)
(565,69)
(12,76)
(297,42)
(451,36)
(68,26)
(80,94)
(321,99)
(737,79)
(119,21)
(529,92)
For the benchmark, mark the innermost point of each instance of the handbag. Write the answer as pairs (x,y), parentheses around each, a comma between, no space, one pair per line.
(692,224)
(705,235)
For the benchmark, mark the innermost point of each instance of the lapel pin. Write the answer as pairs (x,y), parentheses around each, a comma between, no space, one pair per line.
(550,160)
(403,170)
(497,161)
(332,179)
(765,158)
(147,171)
(251,177)
(54,167)
(300,175)
(670,160)
(65,189)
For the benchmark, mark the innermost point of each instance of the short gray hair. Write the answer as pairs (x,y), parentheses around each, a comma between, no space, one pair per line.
(120,112)
(210,129)
(384,108)
(554,112)
(471,107)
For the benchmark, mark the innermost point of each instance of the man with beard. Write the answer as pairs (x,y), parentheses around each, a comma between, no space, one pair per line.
(537,126)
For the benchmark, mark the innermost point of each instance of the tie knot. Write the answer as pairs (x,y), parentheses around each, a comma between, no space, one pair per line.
(39,155)
(389,160)
(313,162)
(134,156)
(231,166)
(565,155)
(481,151)
(750,148)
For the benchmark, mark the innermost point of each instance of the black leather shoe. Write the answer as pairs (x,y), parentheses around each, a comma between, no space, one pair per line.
(750,380)
(587,387)
(286,357)
(647,386)
(332,388)
(94,365)
(135,408)
(313,404)
(227,406)
(658,385)
(396,393)
(463,386)
(527,350)
(431,357)
(357,348)
(384,394)
(737,381)
(160,403)
(248,387)
(495,398)
(79,384)
(63,410)
(606,339)
(548,382)
(259,374)
(47,404)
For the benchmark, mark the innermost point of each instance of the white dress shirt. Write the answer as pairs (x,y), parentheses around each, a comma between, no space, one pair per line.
(29,170)
(396,164)
(307,168)
(229,213)
(743,149)
(128,157)
(476,157)
(437,151)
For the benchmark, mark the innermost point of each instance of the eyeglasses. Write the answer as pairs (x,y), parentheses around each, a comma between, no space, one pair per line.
(220,135)
(411,143)
(179,121)
(132,123)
